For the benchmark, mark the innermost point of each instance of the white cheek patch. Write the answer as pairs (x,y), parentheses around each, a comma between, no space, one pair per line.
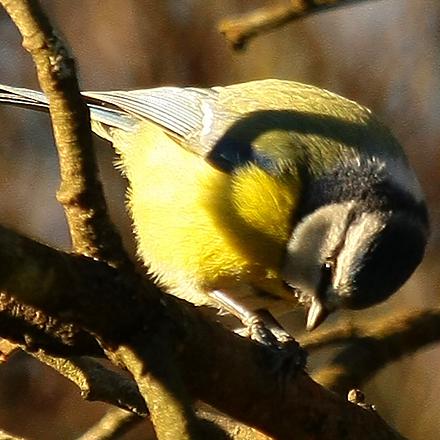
(313,242)
(358,240)
(336,233)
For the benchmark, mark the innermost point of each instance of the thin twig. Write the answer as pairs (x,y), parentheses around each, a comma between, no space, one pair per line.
(170,406)
(375,345)
(234,429)
(337,334)
(115,423)
(81,192)
(6,436)
(97,382)
(239,30)
(32,329)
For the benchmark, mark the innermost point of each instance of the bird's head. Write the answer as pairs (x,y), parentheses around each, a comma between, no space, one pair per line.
(342,255)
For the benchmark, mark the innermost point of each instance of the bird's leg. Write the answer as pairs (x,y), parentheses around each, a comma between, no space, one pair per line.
(262,327)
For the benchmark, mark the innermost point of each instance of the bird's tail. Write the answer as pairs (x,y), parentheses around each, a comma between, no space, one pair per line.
(104,120)
(23,98)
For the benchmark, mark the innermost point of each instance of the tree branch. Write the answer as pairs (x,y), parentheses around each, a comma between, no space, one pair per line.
(5,436)
(97,383)
(33,329)
(234,429)
(239,30)
(173,418)
(370,347)
(81,192)
(115,423)
(95,296)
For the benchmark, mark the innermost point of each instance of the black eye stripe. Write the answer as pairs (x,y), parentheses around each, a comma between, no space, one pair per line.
(327,271)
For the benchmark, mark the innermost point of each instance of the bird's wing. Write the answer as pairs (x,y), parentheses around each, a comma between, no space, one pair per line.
(180,111)
(194,116)
(201,120)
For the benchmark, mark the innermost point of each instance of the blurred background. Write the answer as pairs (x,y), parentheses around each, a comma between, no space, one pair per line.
(384,54)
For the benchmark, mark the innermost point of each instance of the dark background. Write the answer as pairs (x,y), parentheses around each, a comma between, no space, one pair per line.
(384,54)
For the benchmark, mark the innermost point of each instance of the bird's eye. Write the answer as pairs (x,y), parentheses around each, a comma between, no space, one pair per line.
(326,278)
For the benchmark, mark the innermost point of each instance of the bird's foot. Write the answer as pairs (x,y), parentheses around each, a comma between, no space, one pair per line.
(286,354)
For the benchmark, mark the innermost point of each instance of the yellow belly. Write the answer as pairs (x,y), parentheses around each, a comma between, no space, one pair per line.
(199,228)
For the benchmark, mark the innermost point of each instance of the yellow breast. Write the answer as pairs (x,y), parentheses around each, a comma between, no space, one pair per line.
(201,228)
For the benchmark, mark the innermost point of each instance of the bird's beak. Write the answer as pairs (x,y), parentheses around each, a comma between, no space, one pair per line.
(316,314)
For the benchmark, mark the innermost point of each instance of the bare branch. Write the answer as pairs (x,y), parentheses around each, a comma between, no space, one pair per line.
(81,192)
(32,329)
(115,423)
(7,436)
(322,338)
(234,429)
(95,296)
(238,31)
(171,411)
(38,276)
(97,382)
(371,347)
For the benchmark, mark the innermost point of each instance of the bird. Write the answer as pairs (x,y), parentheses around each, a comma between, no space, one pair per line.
(257,197)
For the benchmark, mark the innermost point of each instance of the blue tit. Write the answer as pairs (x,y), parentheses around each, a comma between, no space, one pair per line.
(259,196)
